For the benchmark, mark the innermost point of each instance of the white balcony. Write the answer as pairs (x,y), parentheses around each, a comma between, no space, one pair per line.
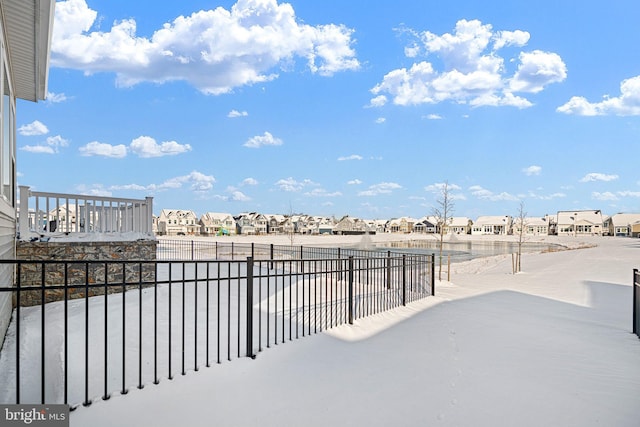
(58,214)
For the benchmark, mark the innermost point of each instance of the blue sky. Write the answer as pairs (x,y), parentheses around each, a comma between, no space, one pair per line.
(335,108)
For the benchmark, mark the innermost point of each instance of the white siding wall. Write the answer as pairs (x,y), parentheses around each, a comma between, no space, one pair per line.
(7,187)
(7,251)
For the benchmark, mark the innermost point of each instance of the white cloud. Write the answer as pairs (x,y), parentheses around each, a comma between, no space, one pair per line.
(38,149)
(145,146)
(552,196)
(378,101)
(606,196)
(627,104)
(433,117)
(473,72)
(483,193)
(590,177)
(538,69)
(33,129)
(629,193)
(250,181)
(129,187)
(96,148)
(439,186)
(292,185)
(381,188)
(213,50)
(239,196)
(380,120)
(236,113)
(54,98)
(196,181)
(532,170)
(351,157)
(262,140)
(320,192)
(510,38)
(93,190)
(354,182)
(52,145)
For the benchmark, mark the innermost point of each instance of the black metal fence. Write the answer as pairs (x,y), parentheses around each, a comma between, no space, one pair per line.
(636,302)
(94,328)
(204,250)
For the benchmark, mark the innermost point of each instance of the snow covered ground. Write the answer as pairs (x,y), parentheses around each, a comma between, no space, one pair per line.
(551,346)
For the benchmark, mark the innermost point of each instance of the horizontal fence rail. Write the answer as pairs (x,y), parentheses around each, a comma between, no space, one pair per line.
(84,330)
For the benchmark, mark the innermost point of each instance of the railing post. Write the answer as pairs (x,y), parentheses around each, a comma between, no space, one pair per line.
(23,219)
(250,308)
(252,250)
(350,305)
(149,215)
(192,251)
(404,279)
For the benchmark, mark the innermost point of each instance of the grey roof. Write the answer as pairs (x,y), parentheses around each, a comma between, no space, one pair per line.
(28,28)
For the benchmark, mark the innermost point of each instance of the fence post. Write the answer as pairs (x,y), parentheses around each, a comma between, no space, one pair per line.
(635,303)
(252,250)
(250,308)
(271,255)
(192,252)
(351,290)
(433,274)
(404,279)
(388,269)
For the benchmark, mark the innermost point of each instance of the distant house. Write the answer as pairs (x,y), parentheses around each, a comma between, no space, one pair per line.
(580,223)
(276,223)
(496,225)
(154,224)
(177,222)
(251,223)
(401,225)
(217,224)
(621,224)
(459,225)
(533,226)
(326,226)
(351,225)
(425,225)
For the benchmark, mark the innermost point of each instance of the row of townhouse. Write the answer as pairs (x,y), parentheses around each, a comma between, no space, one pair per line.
(176,222)
(173,222)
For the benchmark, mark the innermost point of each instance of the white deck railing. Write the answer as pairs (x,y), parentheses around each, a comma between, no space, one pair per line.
(49,213)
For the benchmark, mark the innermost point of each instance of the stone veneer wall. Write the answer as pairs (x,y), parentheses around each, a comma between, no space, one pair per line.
(98,271)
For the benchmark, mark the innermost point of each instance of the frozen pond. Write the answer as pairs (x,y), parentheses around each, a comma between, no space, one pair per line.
(463,250)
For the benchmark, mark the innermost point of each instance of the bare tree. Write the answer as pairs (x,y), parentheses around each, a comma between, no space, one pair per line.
(443,212)
(522,223)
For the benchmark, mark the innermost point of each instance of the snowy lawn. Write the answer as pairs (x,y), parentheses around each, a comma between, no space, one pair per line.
(547,347)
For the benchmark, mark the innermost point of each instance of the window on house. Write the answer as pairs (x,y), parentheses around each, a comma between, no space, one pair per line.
(8,163)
